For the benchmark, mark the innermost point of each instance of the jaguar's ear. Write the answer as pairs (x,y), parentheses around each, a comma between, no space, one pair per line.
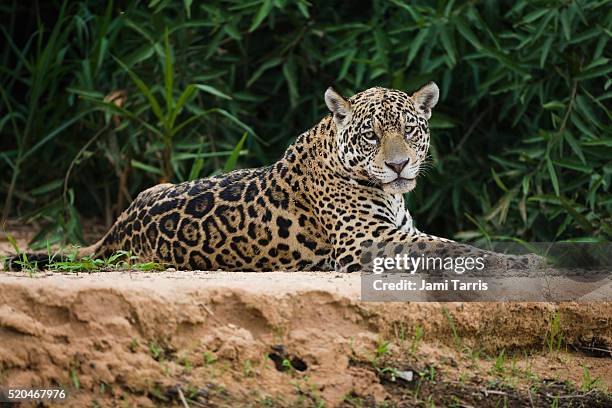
(426,98)
(338,105)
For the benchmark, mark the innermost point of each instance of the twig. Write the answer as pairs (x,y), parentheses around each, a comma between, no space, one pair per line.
(182,397)
(493,392)
(471,129)
(530,399)
(198,404)
(72,164)
(122,192)
(569,107)
(591,348)
(207,309)
(549,395)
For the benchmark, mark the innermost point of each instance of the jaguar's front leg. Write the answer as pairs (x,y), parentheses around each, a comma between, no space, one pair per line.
(357,252)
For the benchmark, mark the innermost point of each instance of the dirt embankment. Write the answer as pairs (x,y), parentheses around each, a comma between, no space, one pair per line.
(289,339)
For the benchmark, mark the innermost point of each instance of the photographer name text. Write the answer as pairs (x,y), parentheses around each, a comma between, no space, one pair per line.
(425,286)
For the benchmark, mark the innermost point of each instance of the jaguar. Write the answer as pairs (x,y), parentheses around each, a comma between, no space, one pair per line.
(337,189)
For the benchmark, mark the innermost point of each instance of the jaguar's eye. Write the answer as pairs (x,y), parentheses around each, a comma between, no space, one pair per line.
(410,131)
(370,137)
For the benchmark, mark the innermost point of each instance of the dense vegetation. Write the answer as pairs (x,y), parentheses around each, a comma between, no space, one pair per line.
(100,100)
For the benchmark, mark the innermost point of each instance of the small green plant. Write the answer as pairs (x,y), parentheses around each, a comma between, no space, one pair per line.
(391,371)
(165,367)
(133,346)
(456,402)
(451,323)
(354,400)
(400,332)
(514,365)
(287,365)
(157,392)
(416,339)
(267,401)
(382,349)
(186,363)
(22,257)
(500,362)
(462,379)
(156,351)
(417,389)
(209,357)
(473,356)
(588,382)
(430,373)
(555,402)
(554,336)
(75,379)
(352,345)
(247,368)
(148,266)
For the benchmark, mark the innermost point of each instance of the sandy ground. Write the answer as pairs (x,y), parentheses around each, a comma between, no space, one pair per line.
(290,339)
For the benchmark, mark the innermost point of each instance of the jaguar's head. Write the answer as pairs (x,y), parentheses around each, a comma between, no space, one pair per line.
(382,135)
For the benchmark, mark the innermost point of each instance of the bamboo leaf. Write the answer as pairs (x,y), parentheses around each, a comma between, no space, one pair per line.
(553,175)
(263,68)
(580,219)
(148,168)
(264,10)
(289,72)
(168,73)
(230,164)
(573,143)
(145,91)
(212,90)
(55,132)
(448,45)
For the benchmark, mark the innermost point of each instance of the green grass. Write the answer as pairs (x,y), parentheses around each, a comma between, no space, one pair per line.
(156,351)
(416,339)
(75,379)
(589,383)
(453,328)
(22,257)
(120,260)
(554,338)
(209,358)
(500,362)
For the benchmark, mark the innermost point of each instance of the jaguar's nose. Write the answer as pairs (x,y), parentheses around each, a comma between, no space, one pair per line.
(397,166)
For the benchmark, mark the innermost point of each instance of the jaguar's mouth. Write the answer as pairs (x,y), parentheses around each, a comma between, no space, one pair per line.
(400,185)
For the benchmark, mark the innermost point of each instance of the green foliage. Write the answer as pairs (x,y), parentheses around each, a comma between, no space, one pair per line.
(131,94)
